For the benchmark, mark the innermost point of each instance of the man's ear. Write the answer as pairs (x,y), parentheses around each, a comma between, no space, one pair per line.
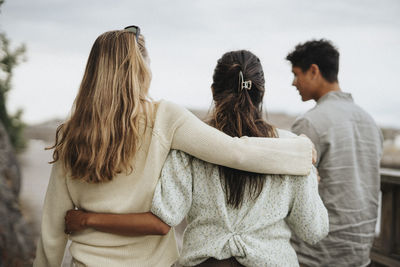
(314,71)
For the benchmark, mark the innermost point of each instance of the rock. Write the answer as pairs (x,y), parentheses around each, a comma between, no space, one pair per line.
(17,246)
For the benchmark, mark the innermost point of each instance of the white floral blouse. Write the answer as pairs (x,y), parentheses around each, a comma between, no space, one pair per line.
(256,234)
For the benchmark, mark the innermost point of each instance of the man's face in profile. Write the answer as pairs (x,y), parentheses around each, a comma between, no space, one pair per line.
(303,82)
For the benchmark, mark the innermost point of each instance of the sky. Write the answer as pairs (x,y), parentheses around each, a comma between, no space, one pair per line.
(185,38)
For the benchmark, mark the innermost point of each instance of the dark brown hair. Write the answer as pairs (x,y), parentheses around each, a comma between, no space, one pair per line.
(320,52)
(238,112)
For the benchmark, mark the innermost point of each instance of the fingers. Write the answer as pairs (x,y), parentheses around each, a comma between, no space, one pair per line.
(74,221)
(66,230)
(314,151)
(68,217)
(314,155)
(318,177)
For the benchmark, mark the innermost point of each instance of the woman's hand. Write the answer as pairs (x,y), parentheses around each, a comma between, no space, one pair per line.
(314,155)
(75,220)
(318,177)
(314,151)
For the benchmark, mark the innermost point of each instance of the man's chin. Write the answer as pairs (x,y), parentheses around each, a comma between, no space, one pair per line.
(303,98)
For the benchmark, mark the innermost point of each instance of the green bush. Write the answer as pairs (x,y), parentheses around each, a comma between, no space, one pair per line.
(9,59)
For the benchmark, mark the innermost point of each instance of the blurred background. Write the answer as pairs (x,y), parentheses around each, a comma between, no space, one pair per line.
(45,45)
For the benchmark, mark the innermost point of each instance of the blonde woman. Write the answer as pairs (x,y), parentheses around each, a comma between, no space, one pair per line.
(109,154)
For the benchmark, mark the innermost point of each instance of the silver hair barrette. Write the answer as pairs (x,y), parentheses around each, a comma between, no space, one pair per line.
(244,84)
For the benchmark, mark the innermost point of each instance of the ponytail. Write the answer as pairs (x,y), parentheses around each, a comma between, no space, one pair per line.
(238,90)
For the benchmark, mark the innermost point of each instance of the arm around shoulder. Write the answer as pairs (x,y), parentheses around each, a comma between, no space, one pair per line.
(262,155)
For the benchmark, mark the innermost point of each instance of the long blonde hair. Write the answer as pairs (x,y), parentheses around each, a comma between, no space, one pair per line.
(100,138)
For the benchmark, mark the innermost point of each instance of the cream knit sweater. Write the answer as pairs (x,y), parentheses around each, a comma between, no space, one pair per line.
(172,127)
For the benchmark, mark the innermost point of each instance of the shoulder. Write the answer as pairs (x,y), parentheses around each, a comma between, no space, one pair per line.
(58,169)
(306,123)
(177,157)
(284,133)
(363,115)
(168,108)
(168,117)
(170,114)
(311,116)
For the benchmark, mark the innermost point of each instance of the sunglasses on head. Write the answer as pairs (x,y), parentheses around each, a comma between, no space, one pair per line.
(135,30)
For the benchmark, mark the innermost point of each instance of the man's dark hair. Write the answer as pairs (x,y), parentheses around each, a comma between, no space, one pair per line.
(319,52)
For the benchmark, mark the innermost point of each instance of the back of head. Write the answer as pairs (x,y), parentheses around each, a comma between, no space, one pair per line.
(238,89)
(319,52)
(238,110)
(100,138)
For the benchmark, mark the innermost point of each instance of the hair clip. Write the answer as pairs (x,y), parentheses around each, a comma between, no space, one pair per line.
(243,84)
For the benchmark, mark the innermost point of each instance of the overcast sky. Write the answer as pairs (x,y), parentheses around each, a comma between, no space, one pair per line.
(185,38)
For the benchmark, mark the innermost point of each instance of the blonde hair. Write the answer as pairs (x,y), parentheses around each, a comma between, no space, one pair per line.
(100,138)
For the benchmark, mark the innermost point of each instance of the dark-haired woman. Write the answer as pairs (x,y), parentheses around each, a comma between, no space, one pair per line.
(234,217)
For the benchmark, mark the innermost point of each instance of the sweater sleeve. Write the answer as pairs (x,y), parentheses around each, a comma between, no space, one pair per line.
(262,155)
(173,195)
(308,217)
(52,242)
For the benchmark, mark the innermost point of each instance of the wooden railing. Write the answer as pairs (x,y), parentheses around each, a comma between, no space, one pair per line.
(386,248)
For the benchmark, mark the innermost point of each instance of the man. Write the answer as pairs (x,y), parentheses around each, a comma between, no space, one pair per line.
(349,146)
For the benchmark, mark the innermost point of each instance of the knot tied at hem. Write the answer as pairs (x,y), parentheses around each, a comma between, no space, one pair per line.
(237,246)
